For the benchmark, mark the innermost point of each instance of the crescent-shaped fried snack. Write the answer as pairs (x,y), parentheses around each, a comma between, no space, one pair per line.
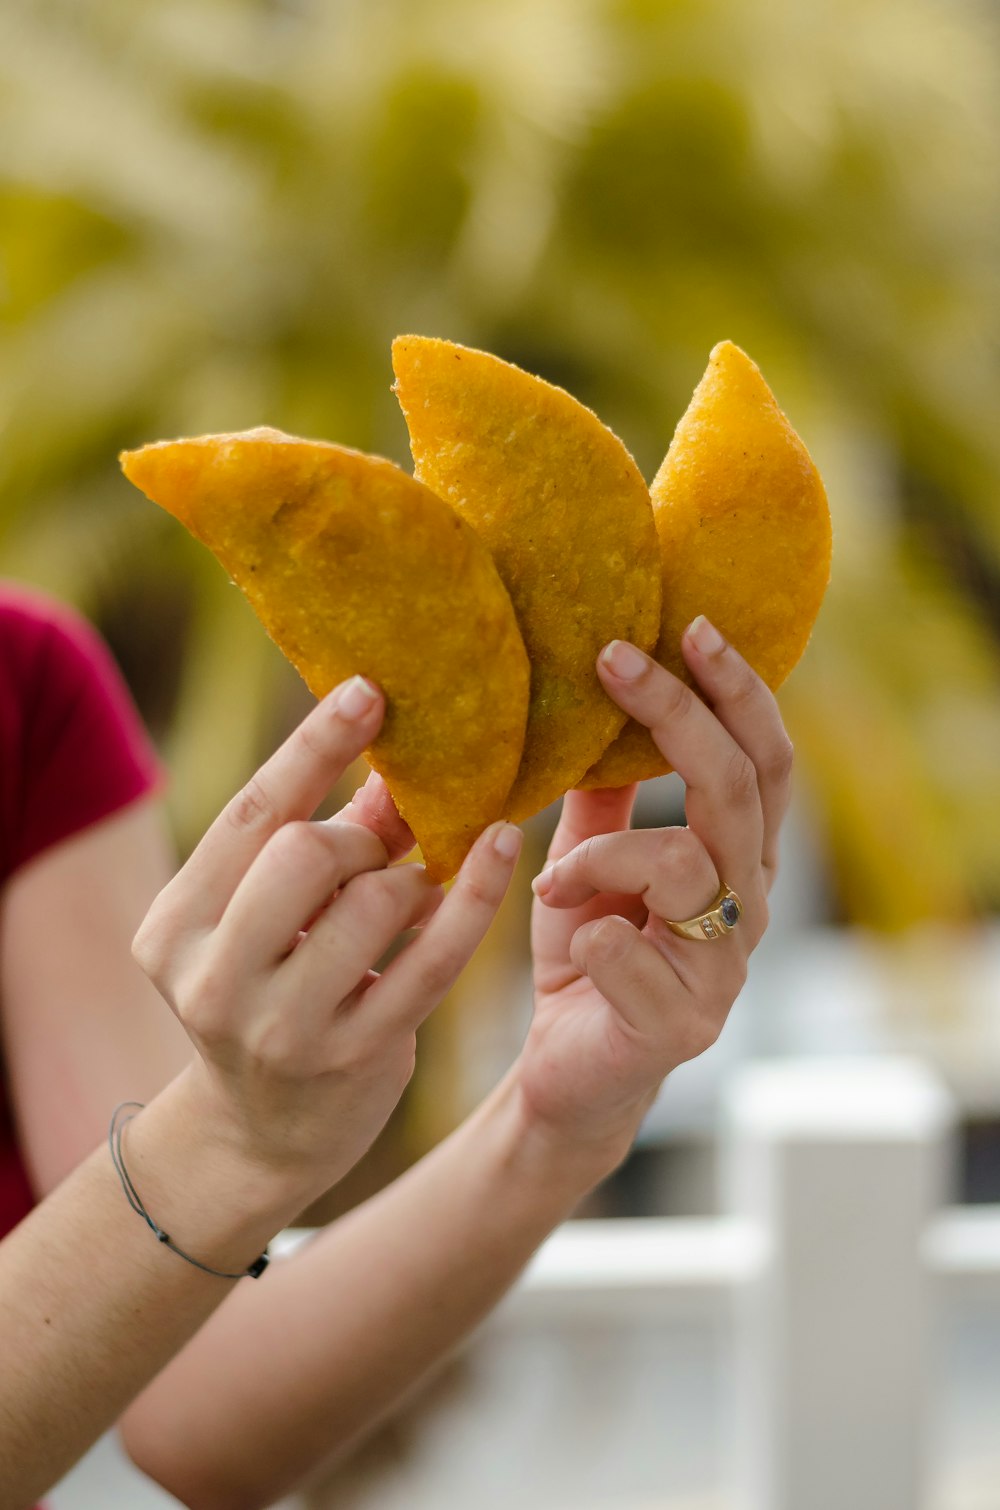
(354,567)
(566,515)
(745,539)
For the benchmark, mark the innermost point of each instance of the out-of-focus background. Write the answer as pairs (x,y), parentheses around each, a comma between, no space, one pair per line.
(217,213)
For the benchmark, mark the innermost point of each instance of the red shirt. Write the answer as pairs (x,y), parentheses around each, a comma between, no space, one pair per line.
(73,750)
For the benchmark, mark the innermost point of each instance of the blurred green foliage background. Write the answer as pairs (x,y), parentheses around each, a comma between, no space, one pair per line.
(217,213)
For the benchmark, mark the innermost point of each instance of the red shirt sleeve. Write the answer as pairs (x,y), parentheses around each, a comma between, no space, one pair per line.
(72,745)
(73,750)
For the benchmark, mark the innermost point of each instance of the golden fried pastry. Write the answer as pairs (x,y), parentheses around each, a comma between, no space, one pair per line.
(745,539)
(566,515)
(354,567)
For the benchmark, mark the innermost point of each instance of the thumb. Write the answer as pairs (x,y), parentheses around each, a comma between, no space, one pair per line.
(607,810)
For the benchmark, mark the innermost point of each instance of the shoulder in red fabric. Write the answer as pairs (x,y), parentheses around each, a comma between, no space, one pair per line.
(73,750)
(73,747)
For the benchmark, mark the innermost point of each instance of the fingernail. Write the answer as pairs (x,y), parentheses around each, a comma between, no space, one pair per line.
(624,660)
(507,840)
(356,698)
(704,636)
(543,882)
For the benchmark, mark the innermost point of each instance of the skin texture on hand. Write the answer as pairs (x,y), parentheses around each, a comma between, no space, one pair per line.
(620,1001)
(264,946)
(297,1365)
(369,1306)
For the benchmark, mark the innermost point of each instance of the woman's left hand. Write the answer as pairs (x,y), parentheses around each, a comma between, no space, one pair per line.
(620,1000)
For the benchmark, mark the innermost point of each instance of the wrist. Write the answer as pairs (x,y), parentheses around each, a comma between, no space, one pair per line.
(566,1163)
(196,1182)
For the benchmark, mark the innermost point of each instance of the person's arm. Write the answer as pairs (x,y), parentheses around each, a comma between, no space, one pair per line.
(83,1027)
(279,1382)
(91,1307)
(262,945)
(283,1378)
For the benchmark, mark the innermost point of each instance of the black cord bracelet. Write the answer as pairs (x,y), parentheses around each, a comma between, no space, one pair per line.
(118,1125)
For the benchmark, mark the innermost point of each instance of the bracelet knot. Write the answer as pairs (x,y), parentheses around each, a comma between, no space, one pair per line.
(115,1132)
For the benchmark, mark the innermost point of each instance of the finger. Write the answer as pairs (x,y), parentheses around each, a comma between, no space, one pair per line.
(630,974)
(746,706)
(356,929)
(602,811)
(417,979)
(584,814)
(639,982)
(722,803)
(372,806)
(290,785)
(670,869)
(293,878)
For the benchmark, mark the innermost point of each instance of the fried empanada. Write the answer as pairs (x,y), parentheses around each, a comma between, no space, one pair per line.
(566,515)
(352,567)
(745,539)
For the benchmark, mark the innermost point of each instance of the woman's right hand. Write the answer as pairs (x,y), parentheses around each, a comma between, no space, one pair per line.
(264,944)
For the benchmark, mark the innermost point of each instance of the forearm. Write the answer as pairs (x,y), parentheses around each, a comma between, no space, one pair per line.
(92,1307)
(295,1368)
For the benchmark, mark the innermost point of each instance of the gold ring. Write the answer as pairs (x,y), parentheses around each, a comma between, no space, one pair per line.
(722,917)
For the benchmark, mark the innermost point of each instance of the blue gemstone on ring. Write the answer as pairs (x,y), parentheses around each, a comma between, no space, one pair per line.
(730,912)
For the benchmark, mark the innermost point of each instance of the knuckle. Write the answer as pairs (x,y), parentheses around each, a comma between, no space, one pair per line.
(407,1062)
(679,859)
(291,840)
(321,737)
(731,978)
(701,1033)
(155,938)
(268,1045)
(740,779)
(585,857)
(609,942)
(252,808)
(481,890)
(147,948)
(299,844)
(357,838)
(388,897)
(434,974)
(203,1006)
(378,890)
(704,1035)
(432,961)
(779,761)
(592,851)
(745,685)
(737,975)
(387,1059)
(352,1056)
(676,701)
(272,1046)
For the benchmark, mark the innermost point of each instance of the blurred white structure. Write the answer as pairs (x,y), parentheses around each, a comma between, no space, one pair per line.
(832,1340)
(841,1165)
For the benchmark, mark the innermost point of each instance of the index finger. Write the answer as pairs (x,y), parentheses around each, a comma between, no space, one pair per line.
(747,707)
(290,785)
(722,802)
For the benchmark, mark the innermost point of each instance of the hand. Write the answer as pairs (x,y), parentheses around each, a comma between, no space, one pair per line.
(263,945)
(620,1000)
